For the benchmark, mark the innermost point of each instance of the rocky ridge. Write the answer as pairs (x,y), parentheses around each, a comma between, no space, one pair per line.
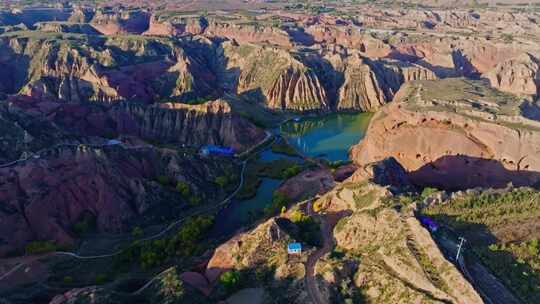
(449,134)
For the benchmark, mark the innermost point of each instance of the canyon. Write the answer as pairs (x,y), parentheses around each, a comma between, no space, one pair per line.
(130,129)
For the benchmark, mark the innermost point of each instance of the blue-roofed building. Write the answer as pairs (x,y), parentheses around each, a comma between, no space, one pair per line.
(429,223)
(294,248)
(215,150)
(113,142)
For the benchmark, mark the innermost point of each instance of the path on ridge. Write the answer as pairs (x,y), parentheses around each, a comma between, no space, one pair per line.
(328,245)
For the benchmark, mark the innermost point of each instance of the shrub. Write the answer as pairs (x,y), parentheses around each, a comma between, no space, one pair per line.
(230,280)
(85,224)
(137,232)
(309,229)
(279,200)
(222,181)
(171,288)
(164,180)
(38,247)
(291,171)
(101,279)
(67,280)
(428,191)
(183,188)
(195,200)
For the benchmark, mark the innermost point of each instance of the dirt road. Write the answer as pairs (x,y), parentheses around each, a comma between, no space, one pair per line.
(328,245)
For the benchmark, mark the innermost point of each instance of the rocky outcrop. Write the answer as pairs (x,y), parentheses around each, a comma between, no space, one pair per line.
(274,77)
(518,75)
(247,33)
(189,25)
(124,22)
(115,69)
(387,172)
(395,251)
(368,85)
(253,249)
(455,134)
(61,27)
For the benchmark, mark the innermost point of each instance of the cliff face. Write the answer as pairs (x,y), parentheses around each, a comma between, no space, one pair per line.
(209,123)
(212,122)
(369,85)
(455,134)
(108,70)
(274,77)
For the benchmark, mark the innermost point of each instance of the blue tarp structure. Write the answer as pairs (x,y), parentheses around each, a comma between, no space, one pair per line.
(211,149)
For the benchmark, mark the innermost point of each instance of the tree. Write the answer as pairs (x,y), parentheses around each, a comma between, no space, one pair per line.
(137,232)
(171,288)
(230,280)
(183,188)
(195,200)
(222,181)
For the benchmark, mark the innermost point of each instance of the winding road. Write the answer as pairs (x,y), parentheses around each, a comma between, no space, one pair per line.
(328,245)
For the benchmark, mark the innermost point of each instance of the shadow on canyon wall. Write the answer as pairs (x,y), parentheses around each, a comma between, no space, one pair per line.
(458,172)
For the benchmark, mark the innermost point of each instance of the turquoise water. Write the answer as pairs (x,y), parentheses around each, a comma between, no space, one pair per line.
(240,213)
(329,136)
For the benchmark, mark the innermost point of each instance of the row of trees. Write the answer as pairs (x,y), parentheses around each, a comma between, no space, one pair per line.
(186,242)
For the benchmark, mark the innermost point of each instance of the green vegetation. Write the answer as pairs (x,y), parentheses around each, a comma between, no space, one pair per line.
(309,229)
(164,180)
(39,247)
(279,200)
(137,232)
(171,288)
(230,280)
(226,182)
(185,242)
(338,163)
(85,224)
(284,147)
(500,227)
(101,279)
(195,200)
(507,38)
(67,280)
(278,169)
(428,191)
(183,188)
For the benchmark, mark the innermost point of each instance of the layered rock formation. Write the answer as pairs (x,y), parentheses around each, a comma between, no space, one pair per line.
(108,70)
(125,22)
(518,75)
(274,77)
(209,123)
(46,197)
(395,251)
(455,134)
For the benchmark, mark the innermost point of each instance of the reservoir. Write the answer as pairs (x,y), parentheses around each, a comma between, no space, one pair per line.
(328,137)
